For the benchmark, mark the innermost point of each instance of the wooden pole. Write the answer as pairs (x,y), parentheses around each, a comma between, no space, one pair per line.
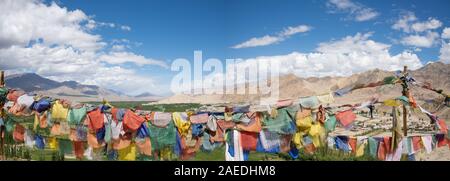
(2,78)
(405,93)
(2,84)
(394,128)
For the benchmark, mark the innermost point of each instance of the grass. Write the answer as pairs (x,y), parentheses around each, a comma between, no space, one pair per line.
(156,107)
(325,154)
(46,155)
(171,107)
(321,154)
(218,154)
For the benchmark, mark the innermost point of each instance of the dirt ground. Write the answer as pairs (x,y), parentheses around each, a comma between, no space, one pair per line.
(439,154)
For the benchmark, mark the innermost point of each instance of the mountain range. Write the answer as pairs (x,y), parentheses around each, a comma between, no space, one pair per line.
(293,87)
(35,84)
(290,86)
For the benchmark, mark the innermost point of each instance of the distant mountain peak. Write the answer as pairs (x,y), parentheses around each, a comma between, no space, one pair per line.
(71,84)
(30,82)
(293,87)
(72,90)
(116,92)
(21,75)
(433,65)
(145,94)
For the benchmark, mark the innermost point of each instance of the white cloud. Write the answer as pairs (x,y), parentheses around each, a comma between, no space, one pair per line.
(343,4)
(260,41)
(349,44)
(403,23)
(118,48)
(408,23)
(120,41)
(48,61)
(446,33)
(125,42)
(419,33)
(125,28)
(356,11)
(91,24)
(351,54)
(65,63)
(430,24)
(445,53)
(25,20)
(366,14)
(294,30)
(119,45)
(128,57)
(268,39)
(104,24)
(425,41)
(57,43)
(124,80)
(344,57)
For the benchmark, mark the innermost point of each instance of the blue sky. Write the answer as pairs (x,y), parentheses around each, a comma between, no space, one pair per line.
(172,29)
(166,30)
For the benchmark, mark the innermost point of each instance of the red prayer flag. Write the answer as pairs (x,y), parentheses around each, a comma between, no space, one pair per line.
(417,143)
(249,140)
(352,143)
(387,143)
(442,126)
(381,151)
(346,117)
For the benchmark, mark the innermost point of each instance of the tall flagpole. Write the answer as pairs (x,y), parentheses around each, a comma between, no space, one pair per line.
(405,92)
(2,84)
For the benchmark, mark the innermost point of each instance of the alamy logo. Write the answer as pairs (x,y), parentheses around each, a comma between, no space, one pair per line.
(236,77)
